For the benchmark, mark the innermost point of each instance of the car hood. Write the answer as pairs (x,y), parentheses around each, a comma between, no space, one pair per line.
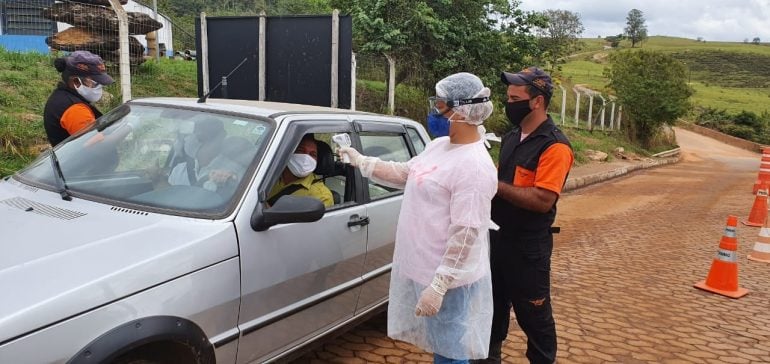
(61,258)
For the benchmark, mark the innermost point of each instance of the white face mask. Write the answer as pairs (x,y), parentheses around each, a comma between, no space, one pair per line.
(301,165)
(92,94)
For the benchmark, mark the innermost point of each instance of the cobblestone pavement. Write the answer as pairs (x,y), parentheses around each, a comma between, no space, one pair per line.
(623,272)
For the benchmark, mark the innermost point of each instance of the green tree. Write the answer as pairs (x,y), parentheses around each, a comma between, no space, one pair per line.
(442,37)
(756,40)
(652,87)
(636,29)
(561,37)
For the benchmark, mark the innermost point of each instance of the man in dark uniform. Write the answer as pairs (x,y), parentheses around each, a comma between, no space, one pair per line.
(70,107)
(535,159)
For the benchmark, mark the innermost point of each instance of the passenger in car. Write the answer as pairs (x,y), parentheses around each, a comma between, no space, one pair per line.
(199,149)
(441,291)
(298,179)
(227,169)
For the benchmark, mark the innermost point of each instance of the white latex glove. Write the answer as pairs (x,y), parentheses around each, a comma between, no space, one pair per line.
(353,155)
(432,296)
(429,303)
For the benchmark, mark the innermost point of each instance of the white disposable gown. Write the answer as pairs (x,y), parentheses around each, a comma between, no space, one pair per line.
(442,230)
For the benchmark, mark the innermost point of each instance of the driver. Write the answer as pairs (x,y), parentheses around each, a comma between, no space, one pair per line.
(298,179)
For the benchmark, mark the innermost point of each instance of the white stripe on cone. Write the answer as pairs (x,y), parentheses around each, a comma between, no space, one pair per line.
(762,247)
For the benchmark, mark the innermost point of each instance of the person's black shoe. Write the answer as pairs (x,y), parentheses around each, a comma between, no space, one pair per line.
(495,355)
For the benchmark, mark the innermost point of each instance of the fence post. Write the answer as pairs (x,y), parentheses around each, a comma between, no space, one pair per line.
(262,53)
(604,104)
(612,116)
(563,104)
(353,82)
(125,62)
(204,53)
(157,32)
(590,110)
(391,84)
(577,107)
(335,57)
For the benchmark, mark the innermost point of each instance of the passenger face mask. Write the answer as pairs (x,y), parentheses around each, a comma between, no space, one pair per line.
(301,165)
(91,94)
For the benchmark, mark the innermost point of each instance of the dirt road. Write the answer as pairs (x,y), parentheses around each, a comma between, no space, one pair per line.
(623,269)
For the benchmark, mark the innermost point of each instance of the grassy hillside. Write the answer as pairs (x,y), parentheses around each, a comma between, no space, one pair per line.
(730,76)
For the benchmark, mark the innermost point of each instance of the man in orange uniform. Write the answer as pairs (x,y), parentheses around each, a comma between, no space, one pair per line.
(535,159)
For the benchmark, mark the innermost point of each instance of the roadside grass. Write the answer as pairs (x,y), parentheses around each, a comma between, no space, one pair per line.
(169,78)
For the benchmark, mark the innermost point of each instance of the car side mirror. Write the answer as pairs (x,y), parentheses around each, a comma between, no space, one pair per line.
(288,209)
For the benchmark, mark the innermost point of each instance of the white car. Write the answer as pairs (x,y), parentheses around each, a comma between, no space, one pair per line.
(112,251)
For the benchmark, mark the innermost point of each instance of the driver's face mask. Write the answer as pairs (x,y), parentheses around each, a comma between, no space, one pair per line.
(301,165)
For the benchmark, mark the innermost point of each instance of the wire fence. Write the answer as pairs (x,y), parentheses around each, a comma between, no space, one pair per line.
(58,28)
(585,109)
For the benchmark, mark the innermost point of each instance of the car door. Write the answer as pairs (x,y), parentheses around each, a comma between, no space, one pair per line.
(387,141)
(301,279)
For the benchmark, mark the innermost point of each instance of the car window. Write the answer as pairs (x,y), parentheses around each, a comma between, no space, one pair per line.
(329,179)
(388,147)
(417,142)
(183,161)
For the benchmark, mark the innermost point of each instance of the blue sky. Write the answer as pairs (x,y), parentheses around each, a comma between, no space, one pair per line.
(725,20)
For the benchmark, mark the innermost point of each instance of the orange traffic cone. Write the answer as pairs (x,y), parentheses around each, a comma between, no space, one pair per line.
(758,212)
(723,276)
(764,170)
(761,251)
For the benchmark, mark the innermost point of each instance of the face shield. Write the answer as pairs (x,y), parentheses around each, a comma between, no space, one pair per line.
(440,105)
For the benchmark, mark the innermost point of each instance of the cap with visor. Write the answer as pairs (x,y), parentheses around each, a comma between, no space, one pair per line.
(87,64)
(530,76)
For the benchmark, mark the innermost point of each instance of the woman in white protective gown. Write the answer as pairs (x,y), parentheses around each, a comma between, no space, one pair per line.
(440,289)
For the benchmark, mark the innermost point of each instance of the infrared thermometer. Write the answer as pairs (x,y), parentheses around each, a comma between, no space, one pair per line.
(343,141)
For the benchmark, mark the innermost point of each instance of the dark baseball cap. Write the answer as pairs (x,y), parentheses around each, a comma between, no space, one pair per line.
(530,76)
(85,63)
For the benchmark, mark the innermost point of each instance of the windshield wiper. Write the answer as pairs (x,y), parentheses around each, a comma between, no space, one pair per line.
(59,175)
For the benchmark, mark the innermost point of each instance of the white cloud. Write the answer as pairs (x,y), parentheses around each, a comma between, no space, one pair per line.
(715,20)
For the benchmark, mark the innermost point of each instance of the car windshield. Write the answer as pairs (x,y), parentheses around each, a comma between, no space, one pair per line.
(177,161)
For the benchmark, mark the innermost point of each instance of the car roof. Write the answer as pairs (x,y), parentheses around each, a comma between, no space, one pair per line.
(260,108)
(266,109)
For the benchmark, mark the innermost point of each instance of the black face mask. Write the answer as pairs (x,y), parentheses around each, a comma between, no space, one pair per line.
(517,111)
